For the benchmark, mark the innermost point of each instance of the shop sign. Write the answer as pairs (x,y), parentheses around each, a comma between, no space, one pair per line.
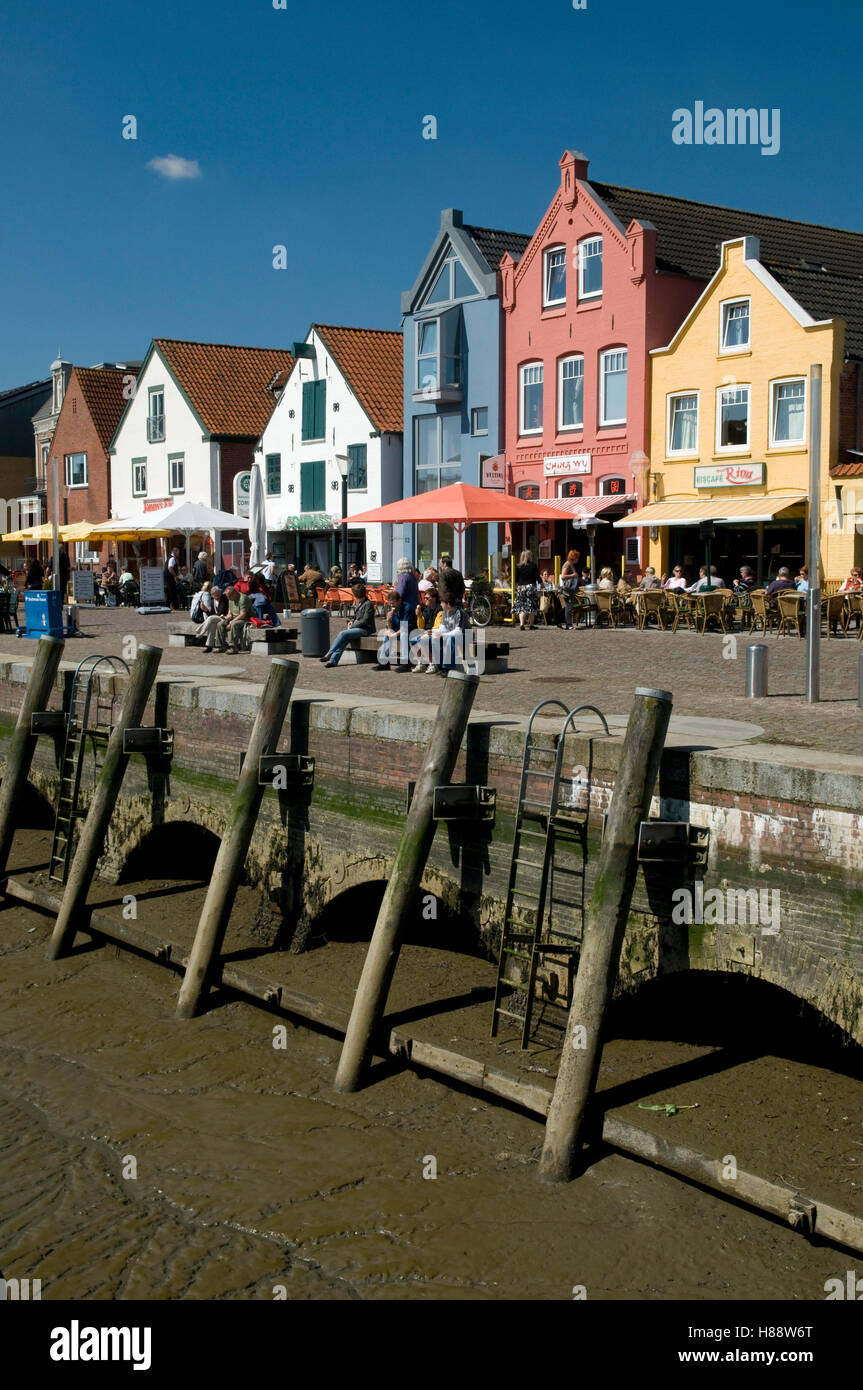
(562,465)
(494,474)
(308,521)
(158,504)
(729,475)
(242,485)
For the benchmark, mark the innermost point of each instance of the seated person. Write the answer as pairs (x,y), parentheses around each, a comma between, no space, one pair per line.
(203,605)
(676,580)
(311,581)
(392,624)
(746,583)
(362,624)
(854,583)
(230,633)
(650,580)
(782,581)
(704,583)
(210,621)
(447,640)
(606,581)
(801,583)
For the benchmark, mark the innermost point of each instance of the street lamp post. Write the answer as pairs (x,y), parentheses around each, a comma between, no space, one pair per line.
(342,463)
(813,624)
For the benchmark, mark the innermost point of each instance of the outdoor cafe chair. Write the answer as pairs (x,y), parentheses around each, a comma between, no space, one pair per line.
(331,599)
(346,601)
(608,607)
(761,611)
(792,608)
(650,603)
(854,607)
(680,606)
(836,613)
(710,606)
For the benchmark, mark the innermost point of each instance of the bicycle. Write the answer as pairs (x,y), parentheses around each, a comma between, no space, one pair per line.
(479,609)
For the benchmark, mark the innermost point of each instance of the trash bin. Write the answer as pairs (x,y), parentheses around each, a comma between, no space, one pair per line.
(314,631)
(43,613)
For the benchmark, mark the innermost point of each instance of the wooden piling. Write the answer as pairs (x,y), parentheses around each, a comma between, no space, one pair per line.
(216,911)
(92,841)
(604,929)
(453,712)
(23,744)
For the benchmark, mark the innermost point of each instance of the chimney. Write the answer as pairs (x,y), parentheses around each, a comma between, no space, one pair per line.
(573,166)
(451,217)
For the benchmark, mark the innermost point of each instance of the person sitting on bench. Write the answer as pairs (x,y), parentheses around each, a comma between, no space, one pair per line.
(362,624)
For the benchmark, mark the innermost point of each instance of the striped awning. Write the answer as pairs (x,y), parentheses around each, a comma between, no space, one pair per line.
(587,508)
(690,512)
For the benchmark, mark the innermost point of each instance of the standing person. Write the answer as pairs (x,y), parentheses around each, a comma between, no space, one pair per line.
(362,624)
(407,588)
(268,568)
(569,585)
(526,604)
(201,569)
(170,574)
(65,569)
(35,575)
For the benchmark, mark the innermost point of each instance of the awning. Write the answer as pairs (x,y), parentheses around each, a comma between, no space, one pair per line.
(739,511)
(585,508)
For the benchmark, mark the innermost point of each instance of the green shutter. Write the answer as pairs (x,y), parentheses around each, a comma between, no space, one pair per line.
(312,486)
(320,483)
(314,409)
(320,409)
(308,410)
(357,468)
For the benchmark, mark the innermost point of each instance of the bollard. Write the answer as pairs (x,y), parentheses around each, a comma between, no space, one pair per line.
(23,744)
(216,912)
(459,691)
(756,671)
(604,929)
(92,840)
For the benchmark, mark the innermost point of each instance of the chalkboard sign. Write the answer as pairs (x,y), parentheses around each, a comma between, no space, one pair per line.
(152,583)
(83,586)
(292,593)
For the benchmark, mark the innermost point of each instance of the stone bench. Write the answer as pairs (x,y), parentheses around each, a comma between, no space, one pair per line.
(189,634)
(362,651)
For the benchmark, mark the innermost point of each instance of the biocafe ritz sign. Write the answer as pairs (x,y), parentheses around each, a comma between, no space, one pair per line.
(564,465)
(729,475)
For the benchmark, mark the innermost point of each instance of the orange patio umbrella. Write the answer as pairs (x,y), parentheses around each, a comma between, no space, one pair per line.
(459,504)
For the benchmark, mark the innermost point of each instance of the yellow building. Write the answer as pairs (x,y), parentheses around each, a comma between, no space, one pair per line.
(730,421)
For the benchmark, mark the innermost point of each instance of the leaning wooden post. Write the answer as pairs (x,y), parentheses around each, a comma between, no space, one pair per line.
(604,929)
(23,745)
(216,911)
(404,881)
(92,840)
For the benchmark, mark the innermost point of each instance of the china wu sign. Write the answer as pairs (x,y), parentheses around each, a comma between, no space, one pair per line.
(729,475)
(308,521)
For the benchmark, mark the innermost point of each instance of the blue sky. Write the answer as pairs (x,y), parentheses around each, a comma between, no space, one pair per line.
(306,124)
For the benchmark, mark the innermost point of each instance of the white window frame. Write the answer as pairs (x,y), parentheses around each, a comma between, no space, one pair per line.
(671,452)
(788,443)
(172,460)
(724,305)
(571,357)
(733,448)
(546,267)
(451,259)
(136,464)
(582,293)
(606,353)
(475,431)
(79,454)
(527,366)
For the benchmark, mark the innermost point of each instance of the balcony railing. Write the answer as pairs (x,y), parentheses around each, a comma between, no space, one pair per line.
(155,428)
(34,485)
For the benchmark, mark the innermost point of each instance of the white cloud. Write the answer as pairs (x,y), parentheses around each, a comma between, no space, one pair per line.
(174,166)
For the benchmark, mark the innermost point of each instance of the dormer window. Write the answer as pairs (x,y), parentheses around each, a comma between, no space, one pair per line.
(453,282)
(438,357)
(554,279)
(735,325)
(590,268)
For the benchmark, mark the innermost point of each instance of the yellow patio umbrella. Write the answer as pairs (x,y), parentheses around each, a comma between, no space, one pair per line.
(116,531)
(76,531)
(31,535)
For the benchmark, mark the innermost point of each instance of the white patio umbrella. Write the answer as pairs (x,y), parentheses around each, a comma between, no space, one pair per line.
(257,518)
(185,518)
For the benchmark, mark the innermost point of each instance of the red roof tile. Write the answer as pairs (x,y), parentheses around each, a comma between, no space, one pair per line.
(847,470)
(102,391)
(371,360)
(227,385)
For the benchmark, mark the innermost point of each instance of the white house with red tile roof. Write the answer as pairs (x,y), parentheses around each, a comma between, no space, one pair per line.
(343,397)
(190,429)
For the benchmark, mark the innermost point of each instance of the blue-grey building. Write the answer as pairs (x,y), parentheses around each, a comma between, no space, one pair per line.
(453,352)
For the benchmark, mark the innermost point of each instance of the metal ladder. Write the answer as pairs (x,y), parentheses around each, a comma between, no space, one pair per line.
(538,921)
(78,730)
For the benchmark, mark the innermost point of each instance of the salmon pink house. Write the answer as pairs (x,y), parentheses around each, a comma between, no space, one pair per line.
(584,305)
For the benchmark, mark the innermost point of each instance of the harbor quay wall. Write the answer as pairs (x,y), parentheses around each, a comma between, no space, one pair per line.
(778,898)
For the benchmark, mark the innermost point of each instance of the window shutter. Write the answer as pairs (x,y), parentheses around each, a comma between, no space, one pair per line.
(308,410)
(320,409)
(357,469)
(320,481)
(307,496)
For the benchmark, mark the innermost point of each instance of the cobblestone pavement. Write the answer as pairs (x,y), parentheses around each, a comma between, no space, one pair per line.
(705,673)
